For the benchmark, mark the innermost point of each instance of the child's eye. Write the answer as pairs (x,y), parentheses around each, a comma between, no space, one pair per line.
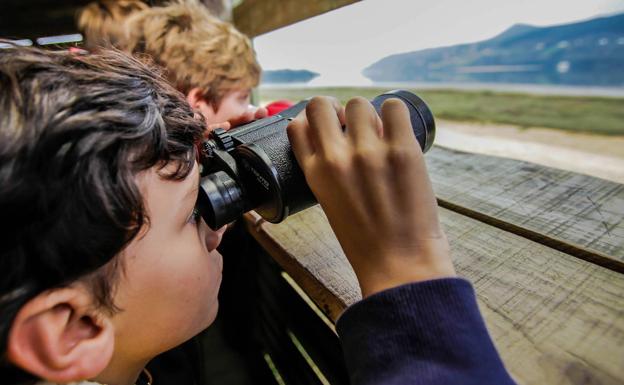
(195,216)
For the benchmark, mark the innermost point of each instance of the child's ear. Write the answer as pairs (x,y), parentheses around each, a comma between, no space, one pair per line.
(59,336)
(195,97)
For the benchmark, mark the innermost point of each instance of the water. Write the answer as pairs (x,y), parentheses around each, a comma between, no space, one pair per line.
(541,89)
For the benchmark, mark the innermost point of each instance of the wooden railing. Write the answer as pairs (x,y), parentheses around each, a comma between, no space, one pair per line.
(543,248)
(255,17)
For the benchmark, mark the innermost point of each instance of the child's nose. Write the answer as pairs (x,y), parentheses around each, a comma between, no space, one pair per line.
(212,237)
(222,230)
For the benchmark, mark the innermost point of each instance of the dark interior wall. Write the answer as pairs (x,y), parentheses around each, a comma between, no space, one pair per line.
(35,18)
(30,19)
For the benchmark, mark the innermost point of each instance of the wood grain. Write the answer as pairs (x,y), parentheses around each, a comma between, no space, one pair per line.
(578,214)
(255,17)
(556,319)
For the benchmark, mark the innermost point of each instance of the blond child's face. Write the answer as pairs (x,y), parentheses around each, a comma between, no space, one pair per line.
(171,274)
(234,107)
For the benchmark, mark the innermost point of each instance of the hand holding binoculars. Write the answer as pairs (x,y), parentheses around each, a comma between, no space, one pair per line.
(252,167)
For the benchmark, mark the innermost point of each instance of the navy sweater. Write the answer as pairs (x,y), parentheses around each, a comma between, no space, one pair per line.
(422,333)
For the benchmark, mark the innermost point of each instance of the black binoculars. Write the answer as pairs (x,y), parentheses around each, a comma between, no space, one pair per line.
(252,167)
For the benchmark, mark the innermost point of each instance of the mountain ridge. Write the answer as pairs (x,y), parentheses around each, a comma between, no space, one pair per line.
(589,52)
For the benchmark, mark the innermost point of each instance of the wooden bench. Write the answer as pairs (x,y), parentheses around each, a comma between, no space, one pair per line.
(544,249)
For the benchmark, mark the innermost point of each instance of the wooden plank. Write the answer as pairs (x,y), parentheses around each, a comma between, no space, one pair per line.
(272,329)
(556,319)
(320,281)
(288,315)
(255,17)
(574,213)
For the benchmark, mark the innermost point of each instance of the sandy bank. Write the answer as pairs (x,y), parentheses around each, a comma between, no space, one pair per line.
(595,155)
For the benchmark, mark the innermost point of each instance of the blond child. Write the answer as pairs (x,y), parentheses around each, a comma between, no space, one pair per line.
(102,22)
(207,59)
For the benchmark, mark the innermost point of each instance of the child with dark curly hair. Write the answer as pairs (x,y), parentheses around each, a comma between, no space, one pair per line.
(105,261)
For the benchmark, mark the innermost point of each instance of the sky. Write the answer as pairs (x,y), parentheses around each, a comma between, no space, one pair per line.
(340,43)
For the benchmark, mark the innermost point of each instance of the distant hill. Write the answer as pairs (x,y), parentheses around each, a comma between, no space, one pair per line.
(584,53)
(288,76)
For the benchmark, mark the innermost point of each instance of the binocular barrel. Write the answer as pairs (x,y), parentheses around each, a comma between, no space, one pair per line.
(252,167)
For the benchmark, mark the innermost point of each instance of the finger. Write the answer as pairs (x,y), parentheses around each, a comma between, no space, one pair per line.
(397,124)
(340,111)
(261,113)
(241,119)
(324,117)
(225,125)
(380,130)
(361,119)
(300,141)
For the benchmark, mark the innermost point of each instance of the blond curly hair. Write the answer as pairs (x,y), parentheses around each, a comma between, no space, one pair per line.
(195,48)
(102,22)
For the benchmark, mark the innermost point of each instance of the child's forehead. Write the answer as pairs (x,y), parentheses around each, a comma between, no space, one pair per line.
(154,182)
(237,91)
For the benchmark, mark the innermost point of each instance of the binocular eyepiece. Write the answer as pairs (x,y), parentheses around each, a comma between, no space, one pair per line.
(252,167)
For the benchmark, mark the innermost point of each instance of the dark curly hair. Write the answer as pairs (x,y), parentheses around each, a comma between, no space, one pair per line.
(74,132)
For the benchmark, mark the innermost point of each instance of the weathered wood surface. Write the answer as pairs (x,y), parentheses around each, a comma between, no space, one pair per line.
(578,214)
(556,319)
(255,17)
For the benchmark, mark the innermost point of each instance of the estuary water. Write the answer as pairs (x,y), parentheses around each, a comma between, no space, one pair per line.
(540,89)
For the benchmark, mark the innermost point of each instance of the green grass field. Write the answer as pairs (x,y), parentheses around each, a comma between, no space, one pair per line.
(596,115)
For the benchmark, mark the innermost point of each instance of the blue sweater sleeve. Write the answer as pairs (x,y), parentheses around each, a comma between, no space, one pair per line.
(422,333)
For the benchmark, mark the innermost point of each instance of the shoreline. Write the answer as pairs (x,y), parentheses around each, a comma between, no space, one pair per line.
(595,155)
(508,88)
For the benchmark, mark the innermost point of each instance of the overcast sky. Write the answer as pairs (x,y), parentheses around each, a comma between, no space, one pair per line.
(340,43)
